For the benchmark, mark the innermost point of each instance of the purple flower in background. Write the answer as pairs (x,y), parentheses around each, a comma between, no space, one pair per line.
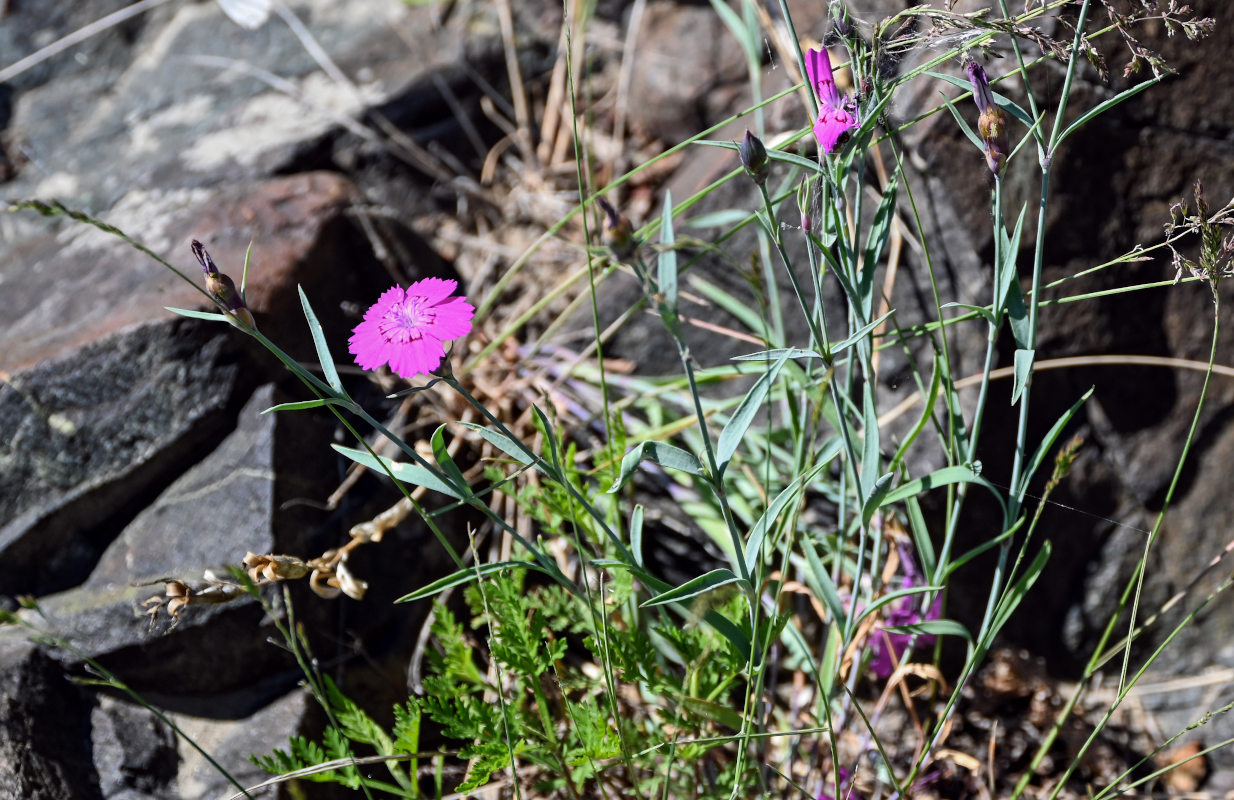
(836,113)
(905,611)
(841,792)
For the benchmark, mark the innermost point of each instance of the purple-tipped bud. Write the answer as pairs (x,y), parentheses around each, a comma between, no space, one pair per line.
(803,205)
(618,232)
(982,94)
(754,158)
(839,15)
(992,121)
(221,287)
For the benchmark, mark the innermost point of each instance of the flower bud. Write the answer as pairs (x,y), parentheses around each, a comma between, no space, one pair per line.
(839,16)
(754,158)
(618,232)
(992,122)
(221,287)
(993,127)
(803,205)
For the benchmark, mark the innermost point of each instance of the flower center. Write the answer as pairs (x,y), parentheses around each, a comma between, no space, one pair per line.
(405,322)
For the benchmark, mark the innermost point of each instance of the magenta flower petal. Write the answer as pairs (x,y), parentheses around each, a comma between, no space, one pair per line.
(434,290)
(834,114)
(822,79)
(831,125)
(408,329)
(453,319)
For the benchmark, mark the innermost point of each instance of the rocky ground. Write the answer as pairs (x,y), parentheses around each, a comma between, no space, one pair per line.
(130,444)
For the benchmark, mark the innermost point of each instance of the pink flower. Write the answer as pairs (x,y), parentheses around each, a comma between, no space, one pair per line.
(836,113)
(408,329)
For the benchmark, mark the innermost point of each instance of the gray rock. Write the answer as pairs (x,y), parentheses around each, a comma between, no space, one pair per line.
(232,742)
(88,437)
(231,502)
(45,749)
(134,751)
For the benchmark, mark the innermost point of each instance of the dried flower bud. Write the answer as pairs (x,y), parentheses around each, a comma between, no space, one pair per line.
(222,288)
(754,158)
(324,584)
(618,232)
(352,586)
(992,122)
(268,568)
(177,595)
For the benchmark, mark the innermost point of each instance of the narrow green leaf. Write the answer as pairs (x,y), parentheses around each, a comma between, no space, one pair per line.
(1023,371)
(981,311)
(328,369)
(1047,443)
(667,272)
(515,450)
(724,218)
(716,712)
(210,315)
(735,430)
(725,627)
(413,474)
(820,582)
(850,291)
(923,544)
(927,413)
(1017,314)
(943,477)
(870,117)
(934,627)
(871,453)
(772,355)
(989,544)
(545,426)
(464,576)
(880,232)
(636,534)
(747,39)
(955,113)
(741,308)
(800,650)
(875,501)
(666,455)
(792,158)
(754,544)
(1015,594)
(694,587)
(443,458)
(859,334)
(1106,105)
(302,405)
(1008,274)
(891,597)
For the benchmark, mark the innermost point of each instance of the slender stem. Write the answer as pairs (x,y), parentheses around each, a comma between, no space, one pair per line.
(996,310)
(819,342)
(1018,459)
